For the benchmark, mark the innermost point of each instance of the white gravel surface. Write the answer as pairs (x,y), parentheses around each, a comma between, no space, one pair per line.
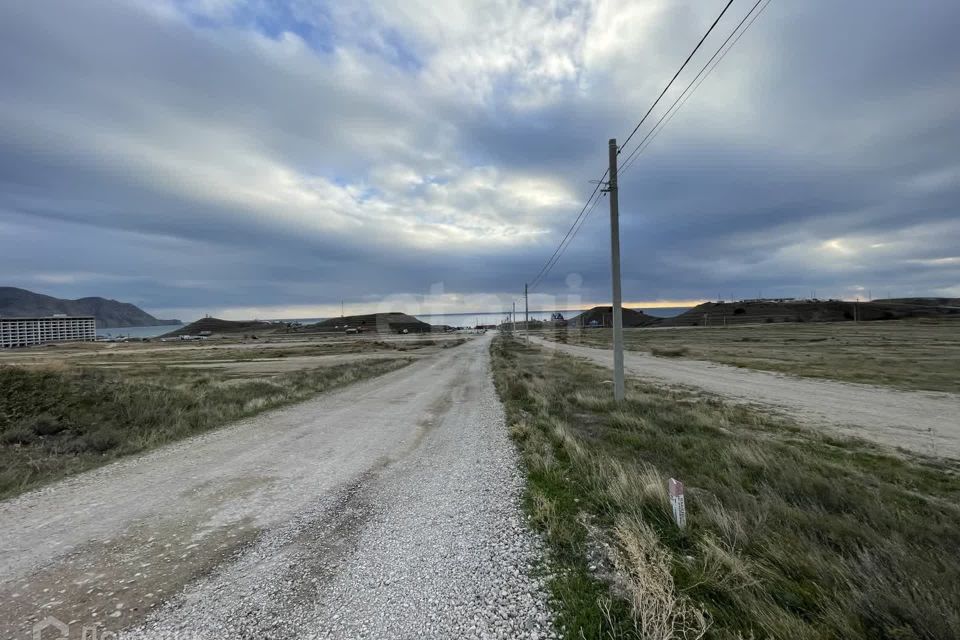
(923,421)
(385,510)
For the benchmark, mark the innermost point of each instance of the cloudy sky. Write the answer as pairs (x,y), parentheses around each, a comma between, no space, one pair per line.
(260,158)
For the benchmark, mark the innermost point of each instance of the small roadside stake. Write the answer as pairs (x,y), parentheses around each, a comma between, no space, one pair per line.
(676,501)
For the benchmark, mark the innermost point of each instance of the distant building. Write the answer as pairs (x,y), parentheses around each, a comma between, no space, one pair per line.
(775,300)
(23,332)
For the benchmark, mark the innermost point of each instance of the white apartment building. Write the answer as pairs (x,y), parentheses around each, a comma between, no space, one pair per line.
(22,332)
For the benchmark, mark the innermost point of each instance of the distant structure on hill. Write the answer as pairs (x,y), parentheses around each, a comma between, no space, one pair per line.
(25,332)
(775,300)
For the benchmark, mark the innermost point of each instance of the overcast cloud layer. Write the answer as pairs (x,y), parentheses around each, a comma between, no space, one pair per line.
(239,157)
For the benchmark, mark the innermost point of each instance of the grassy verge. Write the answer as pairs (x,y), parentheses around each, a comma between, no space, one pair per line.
(61,420)
(790,534)
(909,354)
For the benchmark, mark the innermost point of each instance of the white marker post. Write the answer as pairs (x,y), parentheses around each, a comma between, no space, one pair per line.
(676,501)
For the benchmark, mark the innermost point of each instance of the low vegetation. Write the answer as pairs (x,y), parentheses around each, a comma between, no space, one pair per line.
(670,352)
(58,420)
(790,534)
(908,354)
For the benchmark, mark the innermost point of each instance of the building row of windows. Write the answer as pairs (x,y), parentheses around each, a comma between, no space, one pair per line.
(18,333)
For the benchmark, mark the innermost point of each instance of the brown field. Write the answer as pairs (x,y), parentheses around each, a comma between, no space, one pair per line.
(907,354)
(247,357)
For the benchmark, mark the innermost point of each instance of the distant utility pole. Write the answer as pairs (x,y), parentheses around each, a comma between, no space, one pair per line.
(513,317)
(526,313)
(341,308)
(618,387)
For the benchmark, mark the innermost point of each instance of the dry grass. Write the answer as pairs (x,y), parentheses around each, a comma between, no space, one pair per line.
(55,421)
(658,610)
(908,354)
(791,534)
(70,407)
(221,352)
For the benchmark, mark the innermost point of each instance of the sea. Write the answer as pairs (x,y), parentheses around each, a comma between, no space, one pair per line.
(451,319)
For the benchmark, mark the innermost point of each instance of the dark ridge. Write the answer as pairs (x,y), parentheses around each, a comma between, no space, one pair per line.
(392,322)
(216,326)
(715,314)
(603,317)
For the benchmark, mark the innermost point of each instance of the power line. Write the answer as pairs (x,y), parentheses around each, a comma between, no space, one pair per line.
(571,234)
(669,84)
(687,92)
(592,201)
(595,189)
(547,266)
(564,247)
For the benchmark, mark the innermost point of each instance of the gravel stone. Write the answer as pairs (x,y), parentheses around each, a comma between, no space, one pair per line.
(390,509)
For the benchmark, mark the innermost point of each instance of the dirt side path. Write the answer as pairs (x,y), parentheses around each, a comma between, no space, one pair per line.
(923,421)
(389,508)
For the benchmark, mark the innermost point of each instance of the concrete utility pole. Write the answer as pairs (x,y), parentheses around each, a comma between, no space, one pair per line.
(526,312)
(618,387)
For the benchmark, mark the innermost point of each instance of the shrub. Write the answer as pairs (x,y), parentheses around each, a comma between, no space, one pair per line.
(103,440)
(669,352)
(19,434)
(46,424)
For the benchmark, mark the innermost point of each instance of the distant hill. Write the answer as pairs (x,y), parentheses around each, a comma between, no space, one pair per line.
(717,314)
(216,326)
(393,322)
(603,317)
(16,303)
(373,322)
(929,302)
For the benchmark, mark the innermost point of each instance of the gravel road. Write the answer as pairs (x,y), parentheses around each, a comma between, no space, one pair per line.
(925,422)
(385,510)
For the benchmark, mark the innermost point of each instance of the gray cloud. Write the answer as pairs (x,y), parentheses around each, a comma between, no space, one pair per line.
(191,159)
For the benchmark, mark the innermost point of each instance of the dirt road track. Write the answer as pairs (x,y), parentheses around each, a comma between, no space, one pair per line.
(385,510)
(925,422)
